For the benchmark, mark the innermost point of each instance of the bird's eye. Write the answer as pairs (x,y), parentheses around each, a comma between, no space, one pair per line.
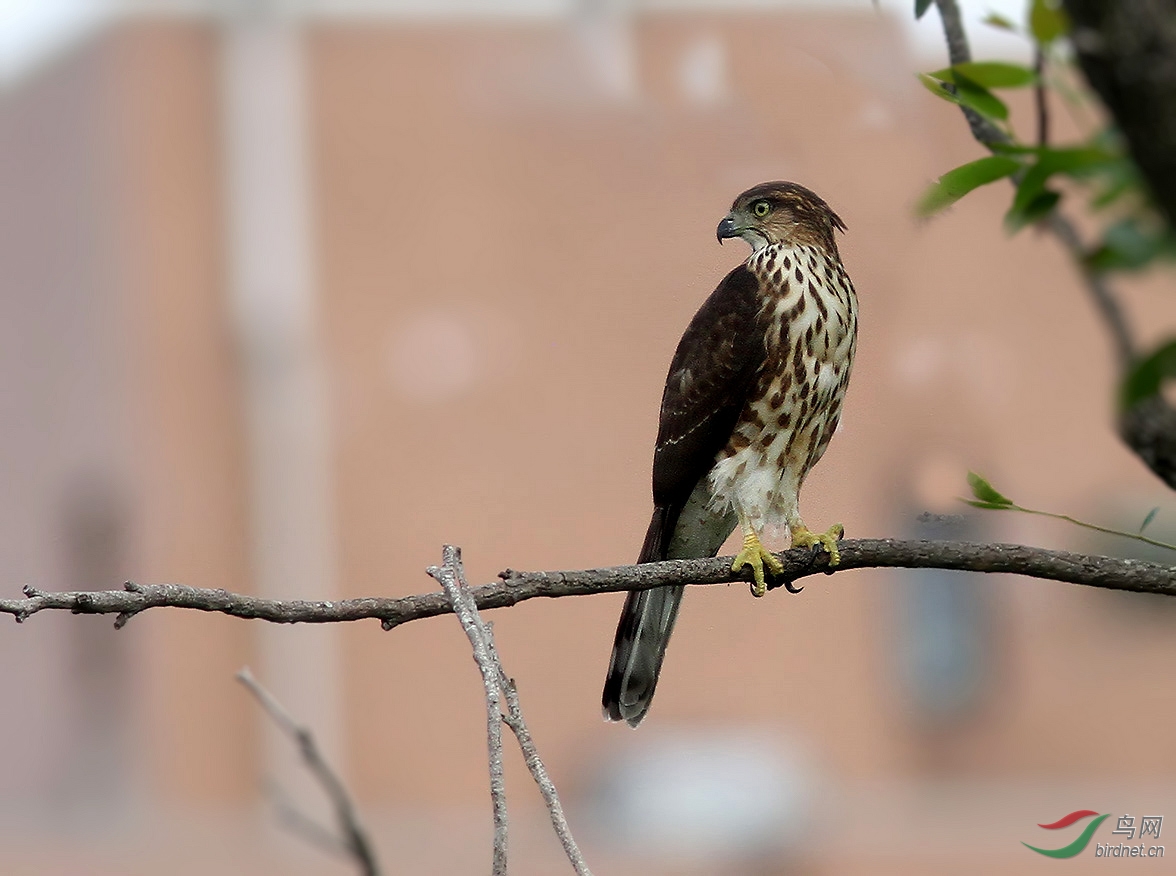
(761,209)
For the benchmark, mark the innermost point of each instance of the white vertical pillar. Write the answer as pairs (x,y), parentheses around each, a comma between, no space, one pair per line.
(275,315)
(604,29)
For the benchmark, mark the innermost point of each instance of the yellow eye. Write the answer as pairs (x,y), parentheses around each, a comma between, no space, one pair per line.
(761,209)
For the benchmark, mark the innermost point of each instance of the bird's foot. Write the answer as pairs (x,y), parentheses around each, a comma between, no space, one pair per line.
(757,556)
(802,536)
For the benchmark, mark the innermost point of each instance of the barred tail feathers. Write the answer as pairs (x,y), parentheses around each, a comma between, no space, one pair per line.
(643,633)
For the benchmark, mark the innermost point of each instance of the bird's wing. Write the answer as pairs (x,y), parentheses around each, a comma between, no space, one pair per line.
(712,373)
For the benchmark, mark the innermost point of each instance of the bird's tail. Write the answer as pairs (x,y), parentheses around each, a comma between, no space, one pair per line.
(643,632)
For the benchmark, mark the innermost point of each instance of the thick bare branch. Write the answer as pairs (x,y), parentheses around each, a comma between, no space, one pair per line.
(354,841)
(1149,428)
(514,587)
(1127,49)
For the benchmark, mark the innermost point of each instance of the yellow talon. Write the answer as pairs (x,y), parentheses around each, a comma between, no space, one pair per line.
(803,537)
(754,554)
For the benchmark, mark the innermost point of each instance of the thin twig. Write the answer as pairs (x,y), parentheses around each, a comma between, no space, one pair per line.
(451,579)
(1104,297)
(354,840)
(1039,96)
(1094,527)
(514,720)
(514,587)
(302,825)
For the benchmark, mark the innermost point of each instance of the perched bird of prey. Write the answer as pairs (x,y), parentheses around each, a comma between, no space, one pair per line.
(753,396)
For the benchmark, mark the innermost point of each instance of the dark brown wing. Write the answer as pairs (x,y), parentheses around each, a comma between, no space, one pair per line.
(711,375)
(714,368)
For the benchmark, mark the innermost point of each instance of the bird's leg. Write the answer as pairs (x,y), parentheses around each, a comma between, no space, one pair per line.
(757,556)
(802,536)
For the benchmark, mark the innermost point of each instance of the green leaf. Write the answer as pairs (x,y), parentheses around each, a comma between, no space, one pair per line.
(1114,188)
(1118,177)
(1148,375)
(1126,246)
(1151,515)
(956,183)
(995,19)
(1033,200)
(1037,208)
(1013,149)
(988,74)
(976,96)
(965,92)
(936,87)
(921,6)
(1048,21)
(1076,161)
(986,495)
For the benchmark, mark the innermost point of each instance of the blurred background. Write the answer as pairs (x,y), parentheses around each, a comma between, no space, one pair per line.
(291,294)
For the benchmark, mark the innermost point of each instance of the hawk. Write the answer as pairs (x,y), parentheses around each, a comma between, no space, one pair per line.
(753,396)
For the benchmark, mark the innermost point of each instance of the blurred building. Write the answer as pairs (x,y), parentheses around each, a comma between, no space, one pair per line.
(289,301)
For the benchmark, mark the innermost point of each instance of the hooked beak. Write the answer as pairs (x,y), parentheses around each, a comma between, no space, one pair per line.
(727,228)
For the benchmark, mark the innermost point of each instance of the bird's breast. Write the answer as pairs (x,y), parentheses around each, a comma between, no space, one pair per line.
(809,324)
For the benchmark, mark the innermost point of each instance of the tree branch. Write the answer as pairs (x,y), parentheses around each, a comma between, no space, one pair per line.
(515,587)
(1149,428)
(354,842)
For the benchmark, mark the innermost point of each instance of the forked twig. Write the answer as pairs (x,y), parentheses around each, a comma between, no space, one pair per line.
(451,576)
(514,720)
(451,581)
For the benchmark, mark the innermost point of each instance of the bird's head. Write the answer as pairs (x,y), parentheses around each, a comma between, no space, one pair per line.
(781,212)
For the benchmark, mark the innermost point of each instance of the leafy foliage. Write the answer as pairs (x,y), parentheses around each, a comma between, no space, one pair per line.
(1034,199)
(1135,235)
